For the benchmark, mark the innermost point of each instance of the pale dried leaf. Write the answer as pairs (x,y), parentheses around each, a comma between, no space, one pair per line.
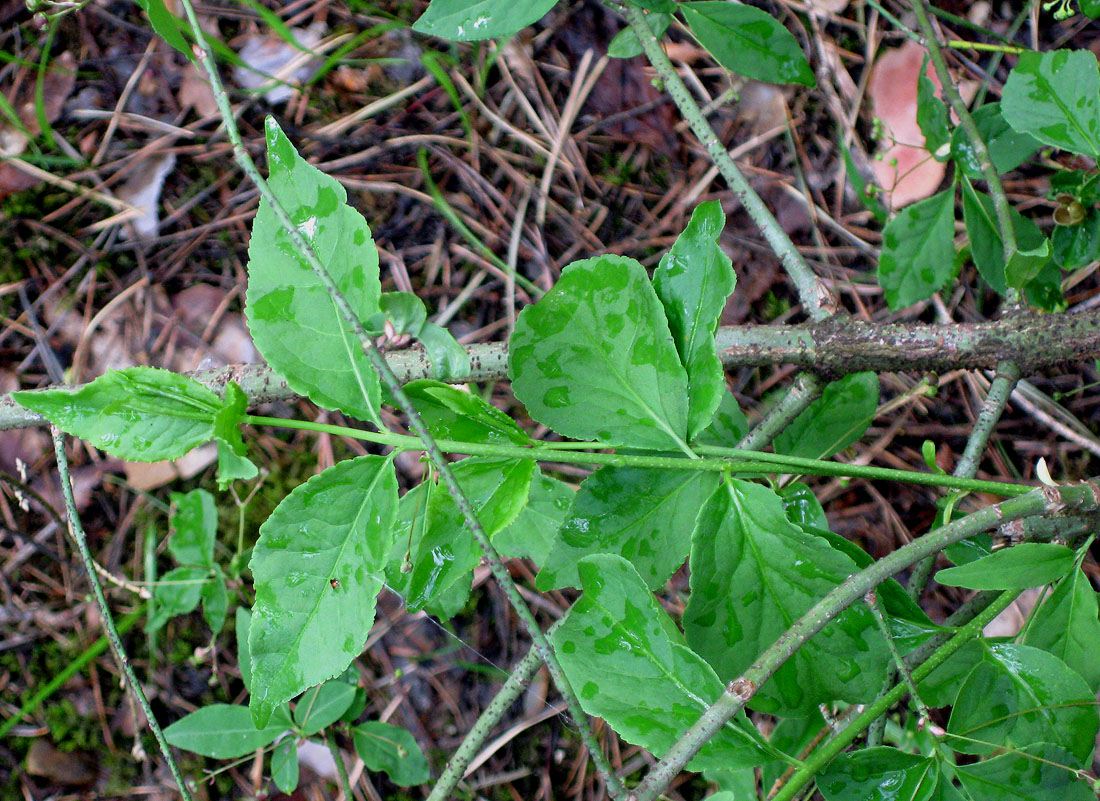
(907,171)
(267,56)
(195,92)
(142,190)
(1009,622)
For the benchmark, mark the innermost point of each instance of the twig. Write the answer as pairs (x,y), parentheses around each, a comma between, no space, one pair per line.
(801,394)
(76,530)
(1077,498)
(393,384)
(819,304)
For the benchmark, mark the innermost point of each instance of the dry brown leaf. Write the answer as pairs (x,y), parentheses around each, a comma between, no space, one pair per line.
(830,6)
(195,92)
(268,56)
(60,767)
(142,190)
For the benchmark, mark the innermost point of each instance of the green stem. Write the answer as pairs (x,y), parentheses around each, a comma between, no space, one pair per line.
(76,530)
(1048,500)
(818,303)
(797,399)
(967,467)
(821,756)
(519,678)
(742,461)
(393,384)
(1001,206)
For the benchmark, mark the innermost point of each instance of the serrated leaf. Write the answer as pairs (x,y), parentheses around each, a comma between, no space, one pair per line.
(533,533)
(931,115)
(693,281)
(1033,773)
(1007,148)
(1055,97)
(215,601)
(753,573)
(918,250)
(879,774)
(748,41)
(1074,246)
(643,515)
(224,731)
(284,765)
(167,26)
(141,414)
(1030,564)
(1018,695)
(626,44)
(446,551)
(452,413)
(323,705)
(727,427)
(834,421)
(318,566)
(393,750)
(293,319)
(194,523)
(471,20)
(177,592)
(987,246)
(233,463)
(1066,625)
(629,664)
(594,359)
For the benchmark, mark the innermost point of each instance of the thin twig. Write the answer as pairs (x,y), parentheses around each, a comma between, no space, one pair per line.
(815,297)
(378,361)
(76,530)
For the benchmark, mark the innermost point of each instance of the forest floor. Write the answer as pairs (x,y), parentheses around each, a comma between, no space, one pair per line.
(422,134)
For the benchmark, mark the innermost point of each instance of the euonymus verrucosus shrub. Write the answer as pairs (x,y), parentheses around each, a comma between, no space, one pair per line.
(784,618)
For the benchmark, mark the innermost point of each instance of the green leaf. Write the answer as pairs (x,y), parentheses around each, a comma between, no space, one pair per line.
(194,523)
(215,601)
(1045,289)
(167,25)
(294,322)
(404,311)
(323,705)
(663,6)
(446,551)
(692,282)
(932,116)
(748,41)
(233,463)
(918,250)
(941,686)
(453,413)
(177,592)
(878,774)
(1018,695)
(470,20)
(1030,564)
(1066,625)
(641,514)
(1007,148)
(242,623)
(834,421)
(224,731)
(626,44)
(141,413)
(533,533)
(629,665)
(987,247)
(1090,8)
(1075,246)
(1055,97)
(449,359)
(753,573)
(594,359)
(1035,772)
(802,506)
(318,567)
(284,765)
(393,750)
(727,427)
